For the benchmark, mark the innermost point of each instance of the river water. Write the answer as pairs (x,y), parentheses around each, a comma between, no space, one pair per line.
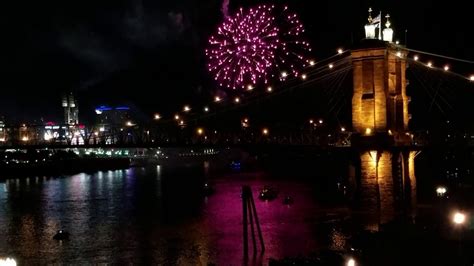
(158,215)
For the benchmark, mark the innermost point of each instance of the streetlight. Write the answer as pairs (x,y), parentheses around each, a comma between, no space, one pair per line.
(459,218)
(368,131)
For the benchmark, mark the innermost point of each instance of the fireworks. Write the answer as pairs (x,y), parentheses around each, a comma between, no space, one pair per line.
(254,44)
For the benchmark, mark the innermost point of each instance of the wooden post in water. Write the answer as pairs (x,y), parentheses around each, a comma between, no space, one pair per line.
(248,205)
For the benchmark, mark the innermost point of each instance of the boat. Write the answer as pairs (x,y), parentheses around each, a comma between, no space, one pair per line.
(267,193)
(288,200)
(208,189)
(61,235)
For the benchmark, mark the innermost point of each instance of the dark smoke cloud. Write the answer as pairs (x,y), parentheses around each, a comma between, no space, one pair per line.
(225,8)
(103,48)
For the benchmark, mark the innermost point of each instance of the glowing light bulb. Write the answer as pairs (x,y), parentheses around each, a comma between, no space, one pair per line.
(331,66)
(269,89)
(446,68)
(303,77)
(340,51)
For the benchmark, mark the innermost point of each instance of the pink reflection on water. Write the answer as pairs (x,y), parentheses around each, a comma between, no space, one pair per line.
(288,230)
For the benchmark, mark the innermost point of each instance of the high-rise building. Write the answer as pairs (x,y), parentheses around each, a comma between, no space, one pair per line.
(71,110)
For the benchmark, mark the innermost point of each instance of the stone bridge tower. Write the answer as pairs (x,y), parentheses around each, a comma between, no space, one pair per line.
(384,163)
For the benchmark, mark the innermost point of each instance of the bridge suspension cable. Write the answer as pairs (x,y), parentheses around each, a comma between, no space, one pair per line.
(438,55)
(321,70)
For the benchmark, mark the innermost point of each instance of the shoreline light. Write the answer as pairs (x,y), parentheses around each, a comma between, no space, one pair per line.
(459,218)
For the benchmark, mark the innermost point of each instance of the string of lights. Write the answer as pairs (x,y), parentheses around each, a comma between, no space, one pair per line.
(334,68)
(310,74)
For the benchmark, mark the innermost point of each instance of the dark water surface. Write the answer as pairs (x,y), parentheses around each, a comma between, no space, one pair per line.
(144,215)
(159,215)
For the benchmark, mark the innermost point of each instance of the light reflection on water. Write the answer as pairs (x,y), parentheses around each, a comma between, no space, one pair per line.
(154,216)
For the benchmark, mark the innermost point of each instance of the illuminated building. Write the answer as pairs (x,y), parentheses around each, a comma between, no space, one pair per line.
(71,109)
(112,116)
(3,131)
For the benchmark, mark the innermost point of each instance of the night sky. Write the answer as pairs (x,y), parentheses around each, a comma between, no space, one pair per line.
(150,54)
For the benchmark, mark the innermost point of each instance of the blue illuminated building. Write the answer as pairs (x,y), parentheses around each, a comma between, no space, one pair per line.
(108,116)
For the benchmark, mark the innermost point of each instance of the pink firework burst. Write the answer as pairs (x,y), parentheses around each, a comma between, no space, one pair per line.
(254,44)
